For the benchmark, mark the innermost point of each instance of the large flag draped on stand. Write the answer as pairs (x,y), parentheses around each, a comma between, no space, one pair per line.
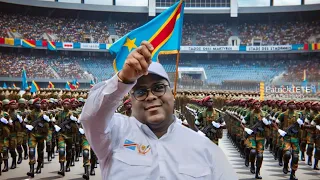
(24,84)
(34,87)
(164,32)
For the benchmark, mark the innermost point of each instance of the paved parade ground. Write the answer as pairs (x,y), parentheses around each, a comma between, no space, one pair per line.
(270,168)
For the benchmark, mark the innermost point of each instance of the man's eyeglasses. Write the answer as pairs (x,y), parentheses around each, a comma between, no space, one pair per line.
(158,90)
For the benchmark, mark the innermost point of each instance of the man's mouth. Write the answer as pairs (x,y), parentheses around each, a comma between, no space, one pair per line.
(151,107)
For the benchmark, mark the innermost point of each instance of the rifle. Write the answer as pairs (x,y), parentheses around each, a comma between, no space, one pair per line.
(292,130)
(210,129)
(259,126)
(65,125)
(37,123)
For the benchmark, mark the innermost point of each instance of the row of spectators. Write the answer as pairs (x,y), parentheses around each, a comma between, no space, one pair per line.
(67,67)
(194,33)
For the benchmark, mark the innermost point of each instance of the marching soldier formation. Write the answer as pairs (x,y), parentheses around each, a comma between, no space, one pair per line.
(33,124)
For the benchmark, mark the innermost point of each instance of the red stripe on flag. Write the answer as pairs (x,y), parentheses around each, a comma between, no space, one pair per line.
(2,40)
(306,46)
(166,30)
(44,43)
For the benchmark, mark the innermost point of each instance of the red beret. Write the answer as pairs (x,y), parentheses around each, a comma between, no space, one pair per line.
(206,99)
(255,101)
(66,100)
(12,101)
(306,102)
(282,102)
(127,101)
(298,102)
(36,100)
(314,103)
(73,99)
(44,101)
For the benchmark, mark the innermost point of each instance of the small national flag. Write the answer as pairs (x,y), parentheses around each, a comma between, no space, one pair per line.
(24,84)
(67,86)
(5,85)
(130,145)
(164,32)
(91,83)
(28,43)
(14,85)
(52,46)
(51,85)
(34,87)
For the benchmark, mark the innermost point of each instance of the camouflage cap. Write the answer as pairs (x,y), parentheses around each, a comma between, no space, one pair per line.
(5,101)
(21,101)
(30,101)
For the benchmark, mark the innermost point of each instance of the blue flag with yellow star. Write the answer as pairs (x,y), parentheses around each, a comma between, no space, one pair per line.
(164,32)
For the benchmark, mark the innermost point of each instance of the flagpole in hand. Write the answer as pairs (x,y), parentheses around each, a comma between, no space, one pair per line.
(176,75)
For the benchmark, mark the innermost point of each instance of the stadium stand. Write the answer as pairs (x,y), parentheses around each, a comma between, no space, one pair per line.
(194,33)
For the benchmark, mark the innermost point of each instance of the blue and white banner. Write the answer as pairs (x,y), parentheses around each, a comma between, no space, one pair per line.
(89,45)
(269,48)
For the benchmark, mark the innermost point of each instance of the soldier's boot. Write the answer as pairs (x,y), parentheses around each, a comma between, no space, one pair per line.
(72,160)
(275,153)
(252,158)
(267,143)
(80,153)
(293,175)
(77,156)
(86,173)
(52,152)
(38,171)
(280,156)
(6,165)
(61,171)
(14,159)
(302,156)
(31,172)
(271,146)
(286,159)
(96,164)
(49,156)
(0,167)
(92,172)
(310,149)
(19,158)
(42,164)
(68,166)
(315,166)
(258,164)
(247,154)
(25,149)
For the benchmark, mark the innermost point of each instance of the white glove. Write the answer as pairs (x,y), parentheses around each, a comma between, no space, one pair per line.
(249,131)
(197,122)
(307,120)
(217,125)
(57,128)
(318,127)
(265,121)
(313,123)
(223,124)
(29,127)
(281,132)
(243,121)
(73,118)
(20,118)
(46,118)
(78,121)
(81,130)
(10,120)
(4,120)
(270,122)
(299,121)
(25,120)
(277,121)
(185,122)
(53,119)
(201,133)
(241,117)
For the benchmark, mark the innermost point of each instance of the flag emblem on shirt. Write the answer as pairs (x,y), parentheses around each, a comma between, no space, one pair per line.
(130,145)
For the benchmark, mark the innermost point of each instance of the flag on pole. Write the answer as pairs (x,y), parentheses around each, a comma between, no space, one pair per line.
(24,84)
(52,46)
(51,85)
(164,32)
(5,85)
(14,85)
(91,83)
(34,87)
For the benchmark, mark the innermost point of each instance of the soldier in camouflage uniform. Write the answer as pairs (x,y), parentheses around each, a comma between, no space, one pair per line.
(305,113)
(38,126)
(256,123)
(51,113)
(22,137)
(4,137)
(211,117)
(316,136)
(290,122)
(67,128)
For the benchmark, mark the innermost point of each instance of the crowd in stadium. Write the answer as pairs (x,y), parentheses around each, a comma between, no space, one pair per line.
(194,33)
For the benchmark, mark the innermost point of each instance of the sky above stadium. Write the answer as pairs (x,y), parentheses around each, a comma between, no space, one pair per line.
(241,2)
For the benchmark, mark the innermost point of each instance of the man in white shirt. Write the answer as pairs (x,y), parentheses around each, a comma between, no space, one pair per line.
(149,144)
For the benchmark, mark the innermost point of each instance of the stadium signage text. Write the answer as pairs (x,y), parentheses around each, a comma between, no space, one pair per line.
(89,45)
(209,48)
(269,48)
